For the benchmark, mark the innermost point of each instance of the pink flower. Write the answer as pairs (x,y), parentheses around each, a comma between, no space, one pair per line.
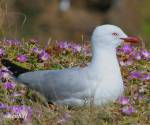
(138,56)
(44,55)
(86,50)
(146,54)
(124,100)
(126,63)
(128,110)
(5,69)
(75,48)
(9,85)
(64,119)
(22,58)
(64,45)
(2,52)
(4,73)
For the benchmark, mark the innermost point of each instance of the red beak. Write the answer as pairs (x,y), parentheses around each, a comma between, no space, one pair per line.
(131,39)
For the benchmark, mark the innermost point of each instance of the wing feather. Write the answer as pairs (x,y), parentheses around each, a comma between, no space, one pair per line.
(57,83)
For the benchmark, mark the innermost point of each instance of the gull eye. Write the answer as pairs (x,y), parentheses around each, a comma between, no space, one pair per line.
(115,34)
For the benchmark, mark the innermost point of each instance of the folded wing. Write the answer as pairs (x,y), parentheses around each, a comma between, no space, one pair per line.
(61,84)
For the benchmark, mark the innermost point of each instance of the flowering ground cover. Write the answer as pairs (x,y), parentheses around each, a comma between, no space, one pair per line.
(21,105)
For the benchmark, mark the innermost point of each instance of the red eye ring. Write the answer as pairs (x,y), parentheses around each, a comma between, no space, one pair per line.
(115,34)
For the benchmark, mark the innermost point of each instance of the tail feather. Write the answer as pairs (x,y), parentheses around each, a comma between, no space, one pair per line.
(15,69)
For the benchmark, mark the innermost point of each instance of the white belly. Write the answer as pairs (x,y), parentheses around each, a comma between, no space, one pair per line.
(108,90)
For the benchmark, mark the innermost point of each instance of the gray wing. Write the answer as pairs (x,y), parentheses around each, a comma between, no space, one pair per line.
(60,84)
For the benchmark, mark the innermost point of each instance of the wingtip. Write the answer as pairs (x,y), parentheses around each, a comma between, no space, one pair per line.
(15,69)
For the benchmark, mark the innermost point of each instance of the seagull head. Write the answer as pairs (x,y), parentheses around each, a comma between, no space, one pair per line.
(111,36)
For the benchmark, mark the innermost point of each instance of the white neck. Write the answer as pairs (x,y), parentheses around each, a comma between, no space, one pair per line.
(104,62)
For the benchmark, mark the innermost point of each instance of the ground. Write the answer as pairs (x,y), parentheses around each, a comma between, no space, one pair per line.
(22,106)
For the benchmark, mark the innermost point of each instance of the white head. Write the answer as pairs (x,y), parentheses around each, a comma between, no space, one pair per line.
(110,36)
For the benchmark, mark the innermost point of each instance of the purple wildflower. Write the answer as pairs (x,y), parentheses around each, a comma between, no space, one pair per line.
(4,73)
(86,50)
(124,100)
(137,56)
(2,52)
(145,77)
(36,50)
(3,106)
(127,48)
(13,42)
(128,110)
(75,48)
(9,85)
(64,45)
(5,69)
(16,109)
(44,55)
(140,97)
(22,58)
(145,54)
(135,75)
(64,119)
(21,110)
(126,63)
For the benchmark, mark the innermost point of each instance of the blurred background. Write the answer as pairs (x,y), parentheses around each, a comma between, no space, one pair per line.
(71,20)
